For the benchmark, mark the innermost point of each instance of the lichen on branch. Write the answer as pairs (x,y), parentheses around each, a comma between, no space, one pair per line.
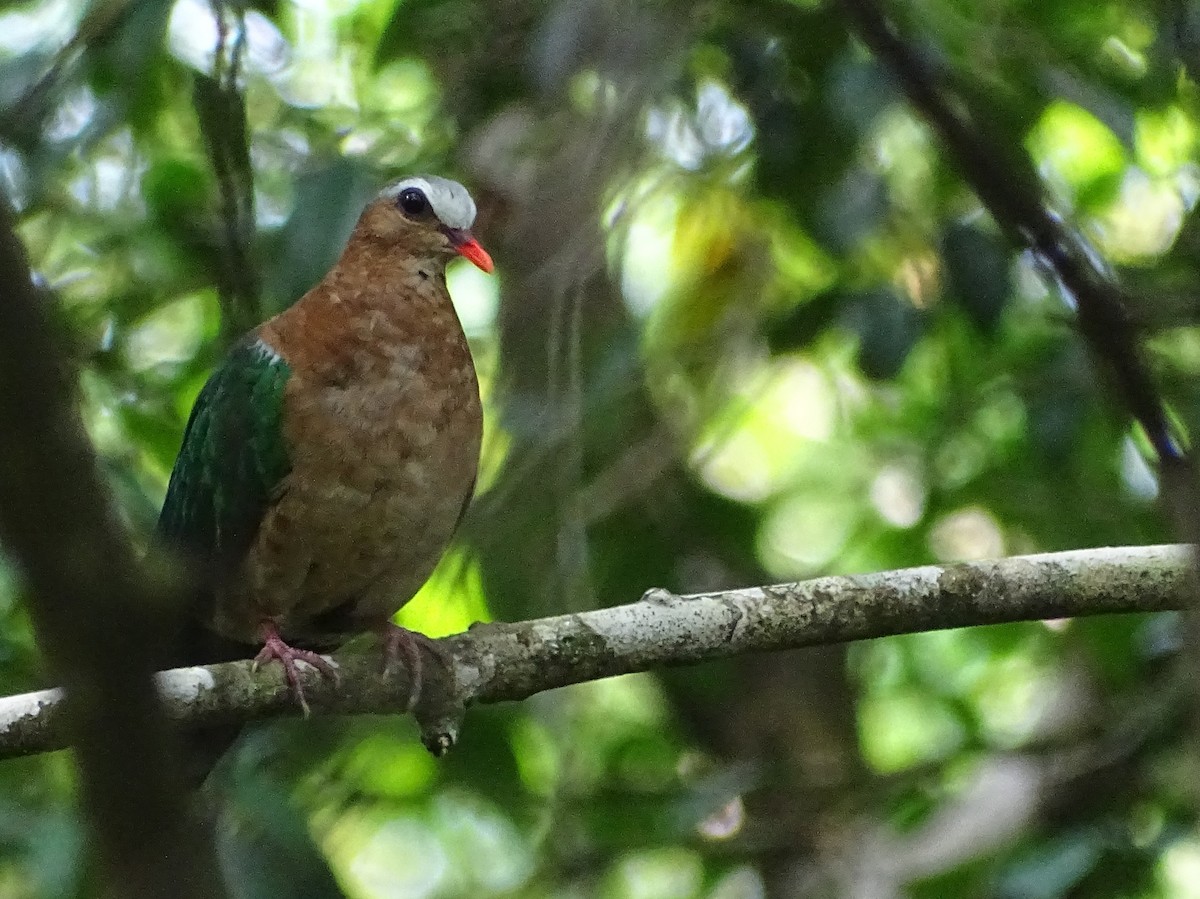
(503,662)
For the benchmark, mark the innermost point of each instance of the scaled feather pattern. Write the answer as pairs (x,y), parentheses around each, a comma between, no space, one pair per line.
(330,456)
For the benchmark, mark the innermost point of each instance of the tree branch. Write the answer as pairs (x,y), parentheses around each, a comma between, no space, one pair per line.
(91,611)
(1004,178)
(498,662)
(221,113)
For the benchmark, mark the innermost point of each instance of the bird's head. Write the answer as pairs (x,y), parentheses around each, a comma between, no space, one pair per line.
(425,215)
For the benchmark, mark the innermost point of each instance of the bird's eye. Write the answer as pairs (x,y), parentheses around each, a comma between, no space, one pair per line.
(412,201)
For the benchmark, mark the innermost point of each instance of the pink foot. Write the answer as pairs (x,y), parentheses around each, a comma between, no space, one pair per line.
(275,649)
(401,641)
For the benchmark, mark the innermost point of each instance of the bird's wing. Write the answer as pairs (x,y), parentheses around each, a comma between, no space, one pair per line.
(232,461)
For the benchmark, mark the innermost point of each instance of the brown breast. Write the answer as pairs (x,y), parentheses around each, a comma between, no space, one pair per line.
(383,423)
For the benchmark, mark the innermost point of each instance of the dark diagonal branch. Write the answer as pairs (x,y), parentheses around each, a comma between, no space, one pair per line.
(1003,177)
(497,662)
(90,609)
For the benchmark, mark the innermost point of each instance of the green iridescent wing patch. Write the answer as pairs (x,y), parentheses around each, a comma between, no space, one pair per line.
(232,460)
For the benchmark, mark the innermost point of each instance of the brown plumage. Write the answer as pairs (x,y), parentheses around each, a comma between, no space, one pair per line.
(329,459)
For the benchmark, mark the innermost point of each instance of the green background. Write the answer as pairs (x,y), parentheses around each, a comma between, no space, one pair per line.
(747,325)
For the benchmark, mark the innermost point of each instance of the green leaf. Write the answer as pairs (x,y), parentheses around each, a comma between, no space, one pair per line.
(887,327)
(265,845)
(978,273)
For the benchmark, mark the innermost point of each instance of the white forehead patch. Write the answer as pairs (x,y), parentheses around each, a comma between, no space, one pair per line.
(450,201)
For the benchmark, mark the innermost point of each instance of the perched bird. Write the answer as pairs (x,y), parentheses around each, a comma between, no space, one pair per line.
(332,453)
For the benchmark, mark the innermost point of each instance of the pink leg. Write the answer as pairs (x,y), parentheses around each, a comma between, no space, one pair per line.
(275,649)
(401,641)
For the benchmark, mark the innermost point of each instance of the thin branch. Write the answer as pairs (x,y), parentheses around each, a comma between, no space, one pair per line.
(22,122)
(500,662)
(91,611)
(221,113)
(1005,180)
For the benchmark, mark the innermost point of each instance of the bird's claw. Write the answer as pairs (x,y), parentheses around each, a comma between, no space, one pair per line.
(439,714)
(276,650)
(399,640)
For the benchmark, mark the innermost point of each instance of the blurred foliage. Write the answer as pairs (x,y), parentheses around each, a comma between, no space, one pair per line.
(747,325)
